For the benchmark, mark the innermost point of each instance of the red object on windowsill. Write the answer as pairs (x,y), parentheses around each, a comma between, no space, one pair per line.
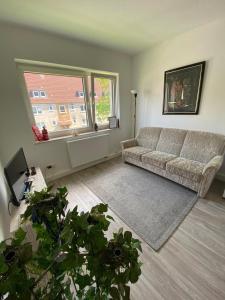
(37,133)
(45,134)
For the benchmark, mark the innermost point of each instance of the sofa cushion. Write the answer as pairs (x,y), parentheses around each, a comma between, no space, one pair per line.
(157,158)
(148,137)
(171,140)
(135,152)
(202,146)
(186,168)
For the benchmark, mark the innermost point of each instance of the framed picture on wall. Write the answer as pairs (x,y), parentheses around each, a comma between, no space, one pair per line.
(182,89)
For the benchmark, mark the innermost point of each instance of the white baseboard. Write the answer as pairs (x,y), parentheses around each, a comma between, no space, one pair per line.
(56,176)
(221,177)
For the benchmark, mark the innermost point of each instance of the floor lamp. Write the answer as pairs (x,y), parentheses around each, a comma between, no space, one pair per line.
(134,93)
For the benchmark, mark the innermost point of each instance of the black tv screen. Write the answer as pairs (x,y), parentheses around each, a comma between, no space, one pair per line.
(15,173)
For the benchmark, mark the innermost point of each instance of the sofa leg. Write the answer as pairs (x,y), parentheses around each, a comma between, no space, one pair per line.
(201,194)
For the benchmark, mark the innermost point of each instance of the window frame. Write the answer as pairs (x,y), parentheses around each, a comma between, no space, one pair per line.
(114,109)
(39,110)
(51,110)
(54,122)
(64,111)
(35,96)
(42,91)
(24,66)
(83,108)
(81,94)
(72,107)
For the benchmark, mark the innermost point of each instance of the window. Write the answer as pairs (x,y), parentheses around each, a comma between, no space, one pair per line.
(42,94)
(72,107)
(38,94)
(82,108)
(51,108)
(62,108)
(71,98)
(35,94)
(40,125)
(37,110)
(61,102)
(103,104)
(79,94)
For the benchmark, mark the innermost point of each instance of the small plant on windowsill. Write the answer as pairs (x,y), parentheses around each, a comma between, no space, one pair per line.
(74,259)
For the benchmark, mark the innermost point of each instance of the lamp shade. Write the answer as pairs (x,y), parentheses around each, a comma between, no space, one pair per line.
(133,92)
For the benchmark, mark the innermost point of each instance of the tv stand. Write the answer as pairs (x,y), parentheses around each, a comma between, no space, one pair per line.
(34,183)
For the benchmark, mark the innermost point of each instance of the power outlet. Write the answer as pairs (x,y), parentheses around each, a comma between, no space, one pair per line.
(50,167)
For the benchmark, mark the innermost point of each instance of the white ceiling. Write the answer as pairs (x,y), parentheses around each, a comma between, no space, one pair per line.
(127,25)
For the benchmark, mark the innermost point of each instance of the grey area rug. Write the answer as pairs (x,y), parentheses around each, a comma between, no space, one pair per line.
(149,204)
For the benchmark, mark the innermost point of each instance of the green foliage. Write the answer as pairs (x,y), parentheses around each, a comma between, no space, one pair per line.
(15,254)
(103,109)
(103,104)
(74,258)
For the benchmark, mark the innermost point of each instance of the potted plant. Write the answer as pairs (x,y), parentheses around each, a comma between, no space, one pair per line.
(74,258)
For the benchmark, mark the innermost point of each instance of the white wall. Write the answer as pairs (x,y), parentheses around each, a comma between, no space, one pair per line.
(15,128)
(4,216)
(204,43)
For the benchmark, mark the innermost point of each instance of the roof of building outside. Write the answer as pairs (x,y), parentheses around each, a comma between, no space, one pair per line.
(59,88)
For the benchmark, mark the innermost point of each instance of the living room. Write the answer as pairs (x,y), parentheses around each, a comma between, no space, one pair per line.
(122,56)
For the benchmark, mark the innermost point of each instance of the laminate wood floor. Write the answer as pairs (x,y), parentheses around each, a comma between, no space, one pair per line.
(191,265)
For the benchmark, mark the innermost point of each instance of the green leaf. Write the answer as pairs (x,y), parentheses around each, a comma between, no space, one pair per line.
(127,236)
(26,252)
(134,273)
(62,190)
(110,217)
(120,230)
(3,266)
(90,294)
(102,207)
(114,293)
(136,244)
(19,236)
(2,247)
(83,281)
(121,289)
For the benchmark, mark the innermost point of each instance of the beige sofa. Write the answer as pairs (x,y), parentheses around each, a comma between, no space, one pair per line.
(191,158)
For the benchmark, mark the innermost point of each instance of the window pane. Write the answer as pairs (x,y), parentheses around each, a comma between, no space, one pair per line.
(103,99)
(55,101)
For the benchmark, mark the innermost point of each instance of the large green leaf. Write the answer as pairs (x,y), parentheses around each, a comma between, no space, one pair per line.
(19,236)
(3,266)
(83,281)
(2,247)
(127,236)
(114,293)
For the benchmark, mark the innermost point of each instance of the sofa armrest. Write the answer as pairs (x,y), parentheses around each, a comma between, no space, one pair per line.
(213,165)
(128,143)
(209,173)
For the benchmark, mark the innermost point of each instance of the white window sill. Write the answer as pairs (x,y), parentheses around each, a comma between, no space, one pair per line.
(77,137)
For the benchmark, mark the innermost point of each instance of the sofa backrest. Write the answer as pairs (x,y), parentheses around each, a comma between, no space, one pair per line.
(148,137)
(171,140)
(202,146)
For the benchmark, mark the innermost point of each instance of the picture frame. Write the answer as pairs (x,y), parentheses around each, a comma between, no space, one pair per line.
(113,122)
(182,89)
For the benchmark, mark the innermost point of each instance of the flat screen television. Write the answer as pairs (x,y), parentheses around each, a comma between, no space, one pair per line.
(16,173)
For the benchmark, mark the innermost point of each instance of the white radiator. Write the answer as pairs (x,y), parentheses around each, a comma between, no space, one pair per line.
(85,150)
